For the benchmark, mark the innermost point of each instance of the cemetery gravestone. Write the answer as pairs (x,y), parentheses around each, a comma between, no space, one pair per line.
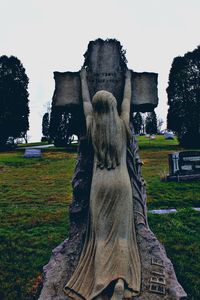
(105,64)
(169,135)
(30,153)
(184,165)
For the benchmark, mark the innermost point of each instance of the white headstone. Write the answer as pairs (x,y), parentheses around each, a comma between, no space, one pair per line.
(32,153)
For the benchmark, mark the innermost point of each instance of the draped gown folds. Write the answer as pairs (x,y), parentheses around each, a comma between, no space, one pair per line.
(110,251)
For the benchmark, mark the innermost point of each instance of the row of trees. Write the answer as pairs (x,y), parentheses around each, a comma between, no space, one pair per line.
(14,110)
(147,123)
(59,126)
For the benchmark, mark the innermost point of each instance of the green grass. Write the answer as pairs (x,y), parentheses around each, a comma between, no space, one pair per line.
(33,144)
(35,195)
(34,198)
(179,233)
(154,154)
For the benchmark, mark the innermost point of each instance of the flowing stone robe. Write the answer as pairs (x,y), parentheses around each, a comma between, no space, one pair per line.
(110,251)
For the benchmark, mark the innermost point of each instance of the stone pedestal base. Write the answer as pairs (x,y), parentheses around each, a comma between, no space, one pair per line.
(178,178)
(158,277)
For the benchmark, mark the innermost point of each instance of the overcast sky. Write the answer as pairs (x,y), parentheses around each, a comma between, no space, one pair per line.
(52,35)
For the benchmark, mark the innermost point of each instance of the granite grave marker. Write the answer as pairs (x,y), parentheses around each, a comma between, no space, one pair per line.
(184,166)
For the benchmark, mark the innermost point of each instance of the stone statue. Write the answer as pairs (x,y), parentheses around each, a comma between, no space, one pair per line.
(110,259)
(110,253)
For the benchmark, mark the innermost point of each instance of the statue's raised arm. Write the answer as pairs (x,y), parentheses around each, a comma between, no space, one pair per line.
(126,103)
(87,105)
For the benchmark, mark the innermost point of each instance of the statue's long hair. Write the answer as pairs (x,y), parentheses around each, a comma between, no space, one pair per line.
(106,130)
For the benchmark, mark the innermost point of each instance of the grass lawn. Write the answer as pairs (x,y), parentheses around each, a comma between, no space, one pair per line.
(32,144)
(154,154)
(34,198)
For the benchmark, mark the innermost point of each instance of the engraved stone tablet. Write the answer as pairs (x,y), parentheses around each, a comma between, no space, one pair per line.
(189,161)
(106,64)
(184,165)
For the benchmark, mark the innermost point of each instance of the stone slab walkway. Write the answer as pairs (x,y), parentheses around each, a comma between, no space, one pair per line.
(168,211)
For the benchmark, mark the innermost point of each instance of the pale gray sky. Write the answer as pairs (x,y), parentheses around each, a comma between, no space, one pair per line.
(52,35)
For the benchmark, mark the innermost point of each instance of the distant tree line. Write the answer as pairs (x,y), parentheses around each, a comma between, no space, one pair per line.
(14,110)
(184,98)
(59,126)
(146,123)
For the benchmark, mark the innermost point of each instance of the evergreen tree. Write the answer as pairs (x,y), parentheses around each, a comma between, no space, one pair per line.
(60,129)
(14,110)
(137,123)
(151,123)
(45,125)
(184,99)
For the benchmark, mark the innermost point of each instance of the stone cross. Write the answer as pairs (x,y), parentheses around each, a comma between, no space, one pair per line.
(106,64)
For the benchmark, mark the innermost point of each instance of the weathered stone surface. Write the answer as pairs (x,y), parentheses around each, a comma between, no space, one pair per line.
(144,91)
(67,89)
(151,250)
(58,270)
(106,63)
